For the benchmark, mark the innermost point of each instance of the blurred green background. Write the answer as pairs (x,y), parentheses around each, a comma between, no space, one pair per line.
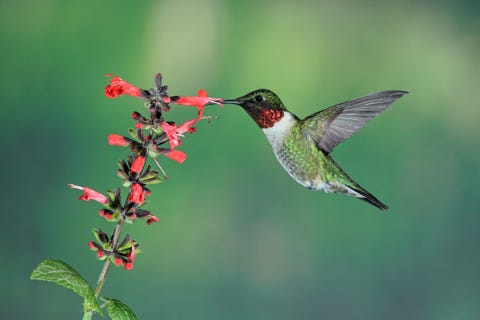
(237,238)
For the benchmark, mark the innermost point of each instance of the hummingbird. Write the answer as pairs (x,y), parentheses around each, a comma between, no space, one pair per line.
(303,146)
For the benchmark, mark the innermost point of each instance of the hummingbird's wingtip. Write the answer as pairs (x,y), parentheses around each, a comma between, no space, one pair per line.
(395,93)
(399,93)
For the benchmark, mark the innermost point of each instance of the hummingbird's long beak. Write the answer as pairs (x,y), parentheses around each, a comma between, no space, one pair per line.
(231,101)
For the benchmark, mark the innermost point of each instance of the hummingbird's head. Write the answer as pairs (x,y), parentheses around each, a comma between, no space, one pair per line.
(264,106)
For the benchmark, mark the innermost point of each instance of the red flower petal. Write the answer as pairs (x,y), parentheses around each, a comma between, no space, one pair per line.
(137,194)
(117,140)
(131,255)
(151,219)
(118,262)
(128,266)
(203,93)
(177,155)
(172,135)
(118,86)
(99,254)
(199,101)
(137,164)
(89,194)
(187,126)
(91,245)
(173,131)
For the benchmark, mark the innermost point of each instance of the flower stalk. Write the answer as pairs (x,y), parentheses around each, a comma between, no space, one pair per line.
(108,263)
(146,142)
(106,266)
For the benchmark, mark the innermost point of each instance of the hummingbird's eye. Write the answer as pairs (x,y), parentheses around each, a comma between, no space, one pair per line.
(259,98)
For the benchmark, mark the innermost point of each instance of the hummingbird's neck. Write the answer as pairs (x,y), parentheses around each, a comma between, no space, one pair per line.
(265,118)
(277,133)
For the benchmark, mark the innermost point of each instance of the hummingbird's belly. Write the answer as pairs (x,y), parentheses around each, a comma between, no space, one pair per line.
(297,153)
(302,164)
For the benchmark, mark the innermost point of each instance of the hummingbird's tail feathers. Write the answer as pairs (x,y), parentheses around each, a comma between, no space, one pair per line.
(366,196)
(353,189)
(342,183)
(333,125)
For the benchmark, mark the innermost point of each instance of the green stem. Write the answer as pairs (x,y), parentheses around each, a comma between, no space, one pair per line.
(87,315)
(106,266)
(102,277)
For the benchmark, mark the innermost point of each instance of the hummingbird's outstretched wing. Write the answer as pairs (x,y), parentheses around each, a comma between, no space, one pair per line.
(331,126)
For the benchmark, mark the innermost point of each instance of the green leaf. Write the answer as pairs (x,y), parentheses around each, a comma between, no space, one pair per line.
(119,311)
(152,181)
(61,273)
(133,133)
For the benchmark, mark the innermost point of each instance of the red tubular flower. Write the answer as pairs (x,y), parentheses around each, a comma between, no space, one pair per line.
(176,155)
(137,194)
(137,164)
(151,219)
(118,86)
(89,194)
(199,101)
(131,255)
(118,140)
(173,132)
(187,126)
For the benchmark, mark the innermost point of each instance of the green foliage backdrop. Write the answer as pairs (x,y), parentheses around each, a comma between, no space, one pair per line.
(237,238)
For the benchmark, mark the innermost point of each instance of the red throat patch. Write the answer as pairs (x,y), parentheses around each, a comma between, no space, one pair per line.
(267,118)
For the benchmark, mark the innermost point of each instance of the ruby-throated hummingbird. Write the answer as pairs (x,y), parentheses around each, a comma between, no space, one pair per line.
(303,146)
